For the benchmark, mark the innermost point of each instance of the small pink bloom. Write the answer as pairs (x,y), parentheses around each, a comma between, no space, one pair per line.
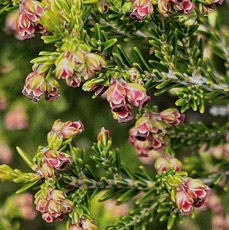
(172,117)
(184,201)
(197,190)
(24,26)
(161,164)
(73,81)
(35,86)
(186,6)
(87,224)
(17,119)
(41,204)
(124,114)
(65,65)
(32,9)
(142,128)
(47,217)
(116,95)
(53,208)
(136,95)
(47,170)
(68,129)
(94,63)
(141,9)
(51,92)
(57,159)
(6,155)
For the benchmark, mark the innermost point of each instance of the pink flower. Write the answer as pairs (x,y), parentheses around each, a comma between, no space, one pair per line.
(24,26)
(142,128)
(32,9)
(136,95)
(47,170)
(57,159)
(65,66)
(197,190)
(35,86)
(87,224)
(184,201)
(163,163)
(52,204)
(121,96)
(186,6)
(94,63)
(141,9)
(116,95)
(191,193)
(17,119)
(67,129)
(172,117)
(6,155)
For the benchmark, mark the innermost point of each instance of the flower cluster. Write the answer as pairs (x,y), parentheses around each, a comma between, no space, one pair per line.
(191,193)
(27,21)
(149,131)
(75,66)
(50,158)
(122,95)
(53,204)
(37,84)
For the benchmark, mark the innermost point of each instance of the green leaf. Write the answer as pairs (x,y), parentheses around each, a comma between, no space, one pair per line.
(26,187)
(124,56)
(109,43)
(127,196)
(141,59)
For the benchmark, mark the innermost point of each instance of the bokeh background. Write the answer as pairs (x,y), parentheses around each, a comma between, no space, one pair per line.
(25,123)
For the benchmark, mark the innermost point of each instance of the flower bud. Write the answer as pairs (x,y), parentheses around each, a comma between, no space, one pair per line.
(54,140)
(103,136)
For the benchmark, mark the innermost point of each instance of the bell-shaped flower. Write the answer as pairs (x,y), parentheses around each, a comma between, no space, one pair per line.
(184,201)
(68,129)
(123,114)
(57,160)
(165,162)
(47,217)
(51,92)
(32,9)
(116,95)
(142,128)
(136,95)
(172,117)
(186,6)
(47,170)
(197,190)
(73,81)
(141,9)
(24,26)
(87,224)
(164,7)
(35,86)
(94,63)
(65,65)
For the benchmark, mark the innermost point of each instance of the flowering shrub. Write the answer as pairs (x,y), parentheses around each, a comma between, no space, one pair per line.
(128,53)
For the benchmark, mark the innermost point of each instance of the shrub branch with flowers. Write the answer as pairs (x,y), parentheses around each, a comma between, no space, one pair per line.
(130,53)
